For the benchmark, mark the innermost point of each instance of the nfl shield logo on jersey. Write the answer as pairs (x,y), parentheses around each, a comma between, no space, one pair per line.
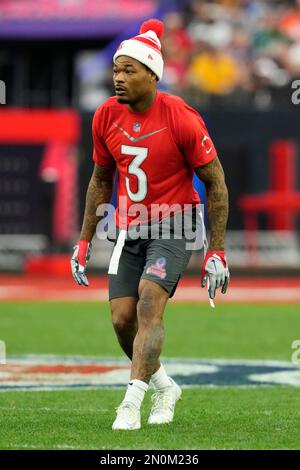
(136,127)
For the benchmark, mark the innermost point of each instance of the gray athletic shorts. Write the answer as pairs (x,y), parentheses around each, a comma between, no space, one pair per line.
(159,260)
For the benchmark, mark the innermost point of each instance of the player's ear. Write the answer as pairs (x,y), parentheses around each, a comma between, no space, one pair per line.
(152,77)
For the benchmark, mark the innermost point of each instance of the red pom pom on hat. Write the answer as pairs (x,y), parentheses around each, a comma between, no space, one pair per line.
(153,24)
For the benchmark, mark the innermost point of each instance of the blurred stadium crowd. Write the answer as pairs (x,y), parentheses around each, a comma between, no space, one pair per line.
(218,53)
(233,51)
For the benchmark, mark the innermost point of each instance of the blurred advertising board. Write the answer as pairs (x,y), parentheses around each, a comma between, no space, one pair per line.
(70,18)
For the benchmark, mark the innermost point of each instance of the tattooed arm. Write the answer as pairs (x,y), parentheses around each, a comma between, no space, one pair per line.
(99,192)
(212,176)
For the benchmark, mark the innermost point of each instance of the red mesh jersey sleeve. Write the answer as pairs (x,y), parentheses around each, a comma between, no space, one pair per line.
(193,138)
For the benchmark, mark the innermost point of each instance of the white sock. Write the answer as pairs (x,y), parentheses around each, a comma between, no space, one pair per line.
(135,393)
(160,379)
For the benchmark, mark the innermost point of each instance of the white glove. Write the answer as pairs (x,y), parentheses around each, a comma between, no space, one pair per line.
(79,262)
(215,269)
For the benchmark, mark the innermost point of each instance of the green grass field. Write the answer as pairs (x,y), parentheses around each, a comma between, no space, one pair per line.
(206,418)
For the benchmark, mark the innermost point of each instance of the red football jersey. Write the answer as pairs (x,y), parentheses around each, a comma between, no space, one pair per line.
(155,152)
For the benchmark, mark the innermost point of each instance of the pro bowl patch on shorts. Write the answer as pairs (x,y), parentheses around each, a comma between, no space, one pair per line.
(158,268)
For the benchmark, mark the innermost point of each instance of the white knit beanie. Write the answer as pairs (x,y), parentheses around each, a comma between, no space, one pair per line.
(145,47)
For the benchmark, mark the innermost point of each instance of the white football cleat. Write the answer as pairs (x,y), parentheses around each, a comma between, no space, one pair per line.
(128,417)
(164,401)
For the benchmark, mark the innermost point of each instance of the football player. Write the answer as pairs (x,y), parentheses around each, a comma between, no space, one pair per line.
(156,142)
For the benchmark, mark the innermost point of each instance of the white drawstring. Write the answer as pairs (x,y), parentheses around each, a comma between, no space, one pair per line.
(115,257)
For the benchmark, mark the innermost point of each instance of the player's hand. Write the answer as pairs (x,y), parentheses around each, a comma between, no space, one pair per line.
(79,261)
(215,269)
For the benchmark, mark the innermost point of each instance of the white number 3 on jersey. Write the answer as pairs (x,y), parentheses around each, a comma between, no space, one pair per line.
(140,154)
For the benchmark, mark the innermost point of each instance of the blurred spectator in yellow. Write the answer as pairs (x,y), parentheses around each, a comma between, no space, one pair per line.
(214,71)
